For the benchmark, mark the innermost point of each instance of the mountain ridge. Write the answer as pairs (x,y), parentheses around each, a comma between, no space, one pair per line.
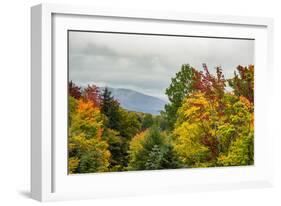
(136,101)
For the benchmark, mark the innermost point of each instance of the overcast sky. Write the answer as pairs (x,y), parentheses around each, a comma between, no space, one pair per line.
(146,63)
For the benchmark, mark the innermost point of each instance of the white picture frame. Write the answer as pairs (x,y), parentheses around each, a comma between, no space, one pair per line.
(49,179)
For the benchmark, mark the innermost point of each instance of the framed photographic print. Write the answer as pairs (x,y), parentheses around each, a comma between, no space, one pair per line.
(135,102)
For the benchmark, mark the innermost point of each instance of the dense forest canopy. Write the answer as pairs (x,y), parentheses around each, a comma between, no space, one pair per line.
(203,125)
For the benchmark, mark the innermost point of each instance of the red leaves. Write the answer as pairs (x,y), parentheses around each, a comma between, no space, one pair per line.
(74,90)
(92,94)
(205,82)
(243,82)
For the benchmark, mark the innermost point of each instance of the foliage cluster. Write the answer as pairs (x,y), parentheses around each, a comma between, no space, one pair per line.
(209,121)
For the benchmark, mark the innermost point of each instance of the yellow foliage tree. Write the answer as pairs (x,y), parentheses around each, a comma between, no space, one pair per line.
(87,151)
(209,133)
(194,133)
(135,146)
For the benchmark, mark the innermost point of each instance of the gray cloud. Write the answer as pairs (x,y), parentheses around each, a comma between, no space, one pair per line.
(147,63)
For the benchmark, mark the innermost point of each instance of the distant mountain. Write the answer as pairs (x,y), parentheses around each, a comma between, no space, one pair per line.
(136,101)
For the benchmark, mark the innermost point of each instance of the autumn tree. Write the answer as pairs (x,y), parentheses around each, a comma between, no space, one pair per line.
(203,125)
(74,90)
(241,152)
(237,135)
(92,93)
(134,148)
(194,134)
(211,123)
(207,134)
(87,151)
(91,155)
(212,85)
(87,119)
(243,82)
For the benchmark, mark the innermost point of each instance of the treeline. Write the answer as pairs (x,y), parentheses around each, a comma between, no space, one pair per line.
(100,130)
(204,125)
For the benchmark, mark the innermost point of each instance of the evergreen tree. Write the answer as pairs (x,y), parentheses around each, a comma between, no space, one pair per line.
(110,108)
(120,127)
(117,148)
(152,150)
